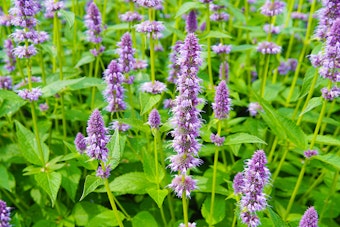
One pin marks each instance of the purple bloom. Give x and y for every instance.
(272, 8)
(6, 82)
(218, 17)
(269, 28)
(129, 80)
(43, 107)
(120, 126)
(203, 26)
(327, 15)
(126, 52)
(25, 52)
(168, 103)
(183, 183)
(80, 142)
(151, 27)
(268, 48)
(238, 183)
(159, 47)
(5, 213)
(10, 60)
(206, 1)
(191, 25)
(224, 71)
(149, 3)
(283, 68)
(33, 36)
(316, 60)
(217, 140)
(103, 172)
(155, 87)
(189, 224)
(30, 95)
(23, 13)
(114, 92)
(292, 63)
(154, 119)
(52, 6)
(299, 16)
(221, 49)
(93, 22)
(310, 153)
(140, 64)
(174, 68)
(214, 7)
(6, 20)
(130, 17)
(309, 218)
(254, 108)
(330, 94)
(183, 162)
(24, 82)
(97, 138)
(222, 103)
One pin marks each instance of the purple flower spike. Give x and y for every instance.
(254, 108)
(52, 6)
(238, 183)
(174, 68)
(23, 13)
(156, 87)
(103, 172)
(283, 68)
(120, 126)
(217, 140)
(30, 95)
(272, 8)
(183, 162)
(330, 94)
(310, 153)
(149, 3)
(224, 71)
(43, 107)
(140, 64)
(268, 48)
(6, 82)
(222, 103)
(154, 119)
(80, 143)
(221, 49)
(130, 17)
(126, 52)
(5, 213)
(10, 60)
(151, 28)
(114, 92)
(97, 138)
(25, 52)
(269, 28)
(183, 183)
(310, 218)
(93, 22)
(191, 25)
(219, 17)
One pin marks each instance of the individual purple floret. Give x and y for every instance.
(254, 108)
(155, 87)
(222, 103)
(6, 82)
(126, 53)
(268, 48)
(10, 60)
(299, 16)
(149, 3)
(238, 183)
(96, 137)
(5, 214)
(43, 107)
(189, 224)
(183, 162)
(140, 64)
(224, 71)
(330, 94)
(30, 95)
(174, 68)
(151, 27)
(310, 153)
(269, 28)
(217, 140)
(120, 126)
(183, 183)
(114, 92)
(103, 173)
(96, 51)
(221, 49)
(52, 6)
(80, 143)
(272, 8)
(25, 52)
(309, 218)
(6, 20)
(191, 25)
(130, 17)
(93, 22)
(154, 119)
(219, 16)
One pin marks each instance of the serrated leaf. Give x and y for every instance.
(158, 195)
(50, 182)
(219, 210)
(87, 82)
(148, 101)
(10, 102)
(307, 81)
(187, 6)
(329, 159)
(86, 59)
(275, 218)
(144, 219)
(68, 16)
(70, 180)
(29, 146)
(240, 138)
(150, 170)
(116, 147)
(57, 86)
(91, 184)
(326, 140)
(314, 102)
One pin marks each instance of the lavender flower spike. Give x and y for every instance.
(4, 214)
(154, 119)
(174, 68)
(126, 52)
(272, 8)
(268, 48)
(79, 141)
(310, 218)
(191, 25)
(93, 22)
(97, 138)
(10, 60)
(183, 183)
(222, 103)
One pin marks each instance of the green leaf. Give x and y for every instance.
(314, 102)
(329, 159)
(87, 82)
(240, 138)
(204, 184)
(50, 183)
(70, 181)
(10, 102)
(116, 147)
(148, 101)
(144, 219)
(326, 140)
(86, 59)
(91, 184)
(219, 210)
(68, 16)
(129, 183)
(307, 81)
(188, 6)
(4, 179)
(217, 35)
(241, 48)
(29, 147)
(275, 218)
(106, 218)
(158, 195)
(150, 170)
(57, 86)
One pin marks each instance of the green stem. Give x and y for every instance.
(265, 73)
(318, 124)
(331, 192)
(211, 80)
(272, 150)
(152, 59)
(174, 37)
(42, 66)
(185, 206)
(276, 173)
(112, 202)
(36, 133)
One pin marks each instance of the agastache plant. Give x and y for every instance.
(5, 213)
(309, 218)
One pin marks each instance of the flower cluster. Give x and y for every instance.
(254, 108)
(154, 119)
(5, 213)
(272, 8)
(174, 68)
(310, 153)
(217, 140)
(309, 218)
(186, 118)
(126, 53)
(330, 94)
(299, 16)
(269, 28)
(149, 3)
(52, 7)
(268, 48)
(30, 95)
(222, 103)
(10, 60)
(219, 16)
(23, 13)
(221, 49)
(286, 66)
(130, 17)
(153, 29)
(255, 177)
(191, 25)
(6, 82)
(155, 87)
